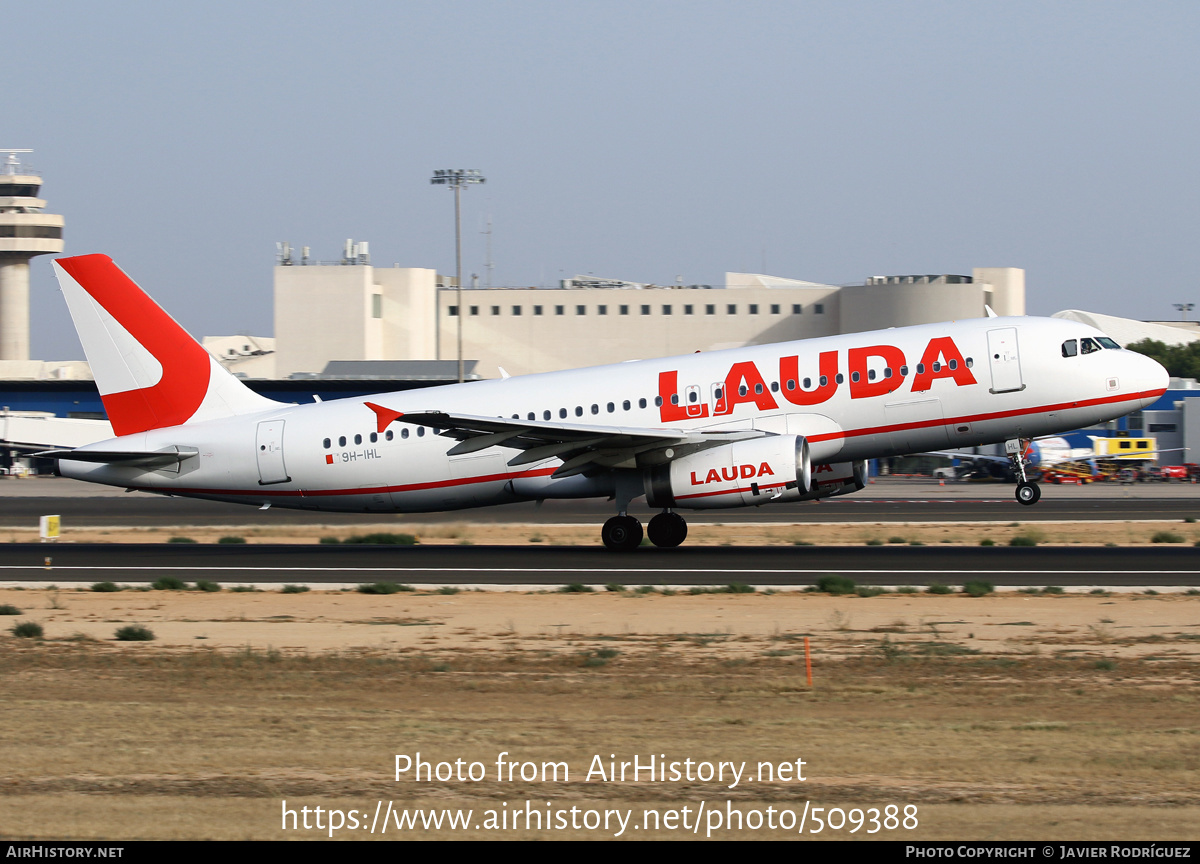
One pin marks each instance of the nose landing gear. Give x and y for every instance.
(1027, 492)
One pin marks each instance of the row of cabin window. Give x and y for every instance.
(667, 309)
(388, 435)
(743, 390)
(693, 396)
(1087, 345)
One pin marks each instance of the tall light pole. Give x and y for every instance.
(1184, 308)
(456, 179)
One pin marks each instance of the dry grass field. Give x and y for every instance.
(1006, 716)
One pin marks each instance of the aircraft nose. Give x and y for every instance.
(1149, 377)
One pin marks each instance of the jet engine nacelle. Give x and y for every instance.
(776, 468)
(837, 478)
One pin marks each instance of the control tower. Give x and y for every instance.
(25, 231)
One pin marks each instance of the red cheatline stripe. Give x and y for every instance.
(371, 490)
(762, 488)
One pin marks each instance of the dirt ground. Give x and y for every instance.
(1009, 716)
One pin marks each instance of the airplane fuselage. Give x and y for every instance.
(852, 397)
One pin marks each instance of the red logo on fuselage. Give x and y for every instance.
(875, 370)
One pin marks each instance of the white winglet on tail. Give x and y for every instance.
(149, 371)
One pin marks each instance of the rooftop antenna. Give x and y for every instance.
(12, 164)
(489, 265)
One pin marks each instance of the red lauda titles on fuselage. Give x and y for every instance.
(733, 472)
(745, 384)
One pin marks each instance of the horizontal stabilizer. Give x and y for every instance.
(135, 458)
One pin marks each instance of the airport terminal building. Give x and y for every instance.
(356, 312)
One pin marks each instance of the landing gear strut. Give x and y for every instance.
(622, 533)
(667, 529)
(1027, 491)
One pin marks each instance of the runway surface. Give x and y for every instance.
(500, 565)
(81, 504)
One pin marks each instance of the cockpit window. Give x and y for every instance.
(1088, 346)
(1106, 342)
(1070, 348)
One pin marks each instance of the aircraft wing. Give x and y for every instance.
(582, 447)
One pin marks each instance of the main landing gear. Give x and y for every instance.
(1027, 491)
(623, 533)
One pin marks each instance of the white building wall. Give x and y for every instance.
(321, 314)
(503, 327)
(356, 312)
(1007, 288)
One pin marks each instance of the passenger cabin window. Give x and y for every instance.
(388, 435)
(1088, 346)
(1070, 348)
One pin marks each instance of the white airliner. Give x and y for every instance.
(772, 423)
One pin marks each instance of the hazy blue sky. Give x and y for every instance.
(639, 140)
